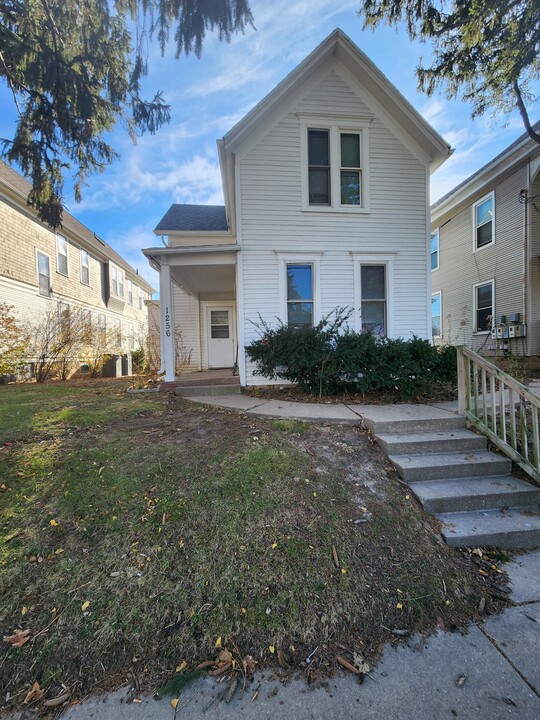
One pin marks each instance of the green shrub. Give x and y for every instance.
(330, 358)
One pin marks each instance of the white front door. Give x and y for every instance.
(219, 321)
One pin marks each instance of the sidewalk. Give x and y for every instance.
(489, 674)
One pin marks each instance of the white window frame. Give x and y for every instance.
(335, 126)
(374, 259)
(129, 287)
(118, 280)
(489, 196)
(435, 233)
(439, 293)
(40, 252)
(475, 309)
(121, 283)
(140, 296)
(295, 258)
(83, 266)
(59, 238)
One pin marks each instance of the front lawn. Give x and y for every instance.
(135, 531)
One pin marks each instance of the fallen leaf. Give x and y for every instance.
(53, 522)
(35, 693)
(274, 546)
(18, 638)
(174, 702)
(85, 605)
(182, 666)
(137, 700)
(343, 571)
(224, 657)
(218, 642)
(272, 649)
(460, 680)
(24, 610)
(244, 611)
(54, 702)
(399, 606)
(249, 665)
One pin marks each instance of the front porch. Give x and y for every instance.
(221, 378)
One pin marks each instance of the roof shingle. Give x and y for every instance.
(189, 218)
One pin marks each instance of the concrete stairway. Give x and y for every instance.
(449, 469)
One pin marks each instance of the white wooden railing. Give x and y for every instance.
(501, 408)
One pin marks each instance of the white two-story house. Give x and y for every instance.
(326, 188)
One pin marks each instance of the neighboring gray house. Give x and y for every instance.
(326, 187)
(485, 256)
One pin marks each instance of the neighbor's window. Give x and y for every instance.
(436, 316)
(62, 247)
(114, 280)
(131, 337)
(121, 283)
(85, 267)
(319, 167)
(350, 172)
(44, 274)
(484, 299)
(64, 319)
(140, 296)
(373, 294)
(103, 329)
(483, 222)
(300, 296)
(118, 333)
(130, 292)
(435, 250)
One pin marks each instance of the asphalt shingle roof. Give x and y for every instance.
(186, 218)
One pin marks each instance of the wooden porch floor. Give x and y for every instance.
(206, 378)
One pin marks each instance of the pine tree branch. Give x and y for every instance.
(524, 114)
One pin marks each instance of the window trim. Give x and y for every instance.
(299, 258)
(475, 309)
(490, 195)
(437, 337)
(336, 125)
(59, 236)
(387, 259)
(435, 232)
(129, 291)
(40, 252)
(82, 250)
(120, 280)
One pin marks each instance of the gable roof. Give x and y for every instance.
(477, 183)
(392, 102)
(192, 218)
(20, 187)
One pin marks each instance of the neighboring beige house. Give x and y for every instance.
(326, 188)
(485, 256)
(41, 269)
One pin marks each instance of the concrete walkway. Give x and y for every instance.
(491, 673)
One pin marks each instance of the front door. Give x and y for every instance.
(219, 321)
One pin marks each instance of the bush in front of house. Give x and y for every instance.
(329, 359)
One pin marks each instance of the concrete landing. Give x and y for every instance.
(513, 528)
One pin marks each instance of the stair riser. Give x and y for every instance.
(208, 390)
(523, 539)
(478, 502)
(453, 422)
(431, 447)
(449, 471)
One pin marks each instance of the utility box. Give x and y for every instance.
(520, 331)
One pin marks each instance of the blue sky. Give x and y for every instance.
(209, 95)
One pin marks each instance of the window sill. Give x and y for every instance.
(59, 272)
(481, 332)
(342, 210)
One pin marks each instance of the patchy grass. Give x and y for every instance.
(179, 524)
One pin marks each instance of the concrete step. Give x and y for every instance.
(474, 463)
(207, 390)
(408, 418)
(431, 443)
(517, 527)
(467, 494)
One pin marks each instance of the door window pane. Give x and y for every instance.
(44, 274)
(219, 324)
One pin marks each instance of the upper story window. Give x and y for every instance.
(62, 254)
(435, 249)
(140, 297)
(117, 281)
(44, 274)
(85, 267)
(484, 222)
(335, 163)
(130, 292)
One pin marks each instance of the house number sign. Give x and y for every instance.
(167, 322)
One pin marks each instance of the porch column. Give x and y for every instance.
(168, 359)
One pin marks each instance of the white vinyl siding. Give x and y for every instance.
(272, 221)
(186, 323)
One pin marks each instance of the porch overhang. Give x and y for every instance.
(205, 272)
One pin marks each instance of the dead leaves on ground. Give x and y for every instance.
(18, 638)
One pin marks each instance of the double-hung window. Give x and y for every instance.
(103, 329)
(373, 308)
(299, 295)
(484, 222)
(130, 292)
(131, 337)
(435, 250)
(62, 254)
(44, 274)
(335, 157)
(85, 267)
(114, 280)
(121, 283)
(140, 296)
(118, 333)
(436, 315)
(484, 306)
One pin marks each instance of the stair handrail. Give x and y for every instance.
(516, 437)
